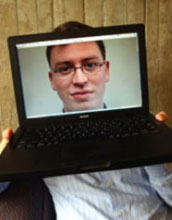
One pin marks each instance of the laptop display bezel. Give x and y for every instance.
(14, 40)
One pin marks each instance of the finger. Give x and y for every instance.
(161, 116)
(3, 144)
(5, 139)
(7, 134)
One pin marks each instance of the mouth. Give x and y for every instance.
(81, 95)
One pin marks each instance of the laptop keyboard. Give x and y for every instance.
(109, 129)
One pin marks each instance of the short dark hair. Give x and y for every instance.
(74, 25)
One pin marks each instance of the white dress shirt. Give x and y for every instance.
(129, 194)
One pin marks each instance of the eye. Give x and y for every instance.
(64, 69)
(90, 65)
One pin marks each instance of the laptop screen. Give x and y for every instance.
(122, 89)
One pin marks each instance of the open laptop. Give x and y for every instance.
(50, 141)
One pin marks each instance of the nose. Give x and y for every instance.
(79, 78)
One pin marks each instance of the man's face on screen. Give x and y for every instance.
(79, 74)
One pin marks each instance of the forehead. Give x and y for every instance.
(75, 51)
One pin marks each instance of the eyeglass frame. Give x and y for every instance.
(74, 68)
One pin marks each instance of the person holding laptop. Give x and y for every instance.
(135, 193)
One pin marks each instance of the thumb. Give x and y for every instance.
(7, 134)
(161, 116)
(5, 139)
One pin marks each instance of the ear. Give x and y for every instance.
(107, 72)
(51, 78)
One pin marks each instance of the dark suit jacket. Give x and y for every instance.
(27, 200)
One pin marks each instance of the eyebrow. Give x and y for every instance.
(83, 60)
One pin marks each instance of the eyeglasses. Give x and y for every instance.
(87, 68)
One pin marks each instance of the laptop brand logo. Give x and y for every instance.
(84, 116)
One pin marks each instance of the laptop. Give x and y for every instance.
(51, 141)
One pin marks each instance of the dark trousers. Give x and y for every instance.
(27, 200)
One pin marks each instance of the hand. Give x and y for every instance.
(161, 116)
(6, 135)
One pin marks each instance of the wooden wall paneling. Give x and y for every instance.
(74, 10)
(155, 48)
(135, 11)
(114, 12)
(64, 11)
(152, 38)
(164, 78)
(27, 16)
(44, 15)
(8, 26)
(58, 13)
(93, 11)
